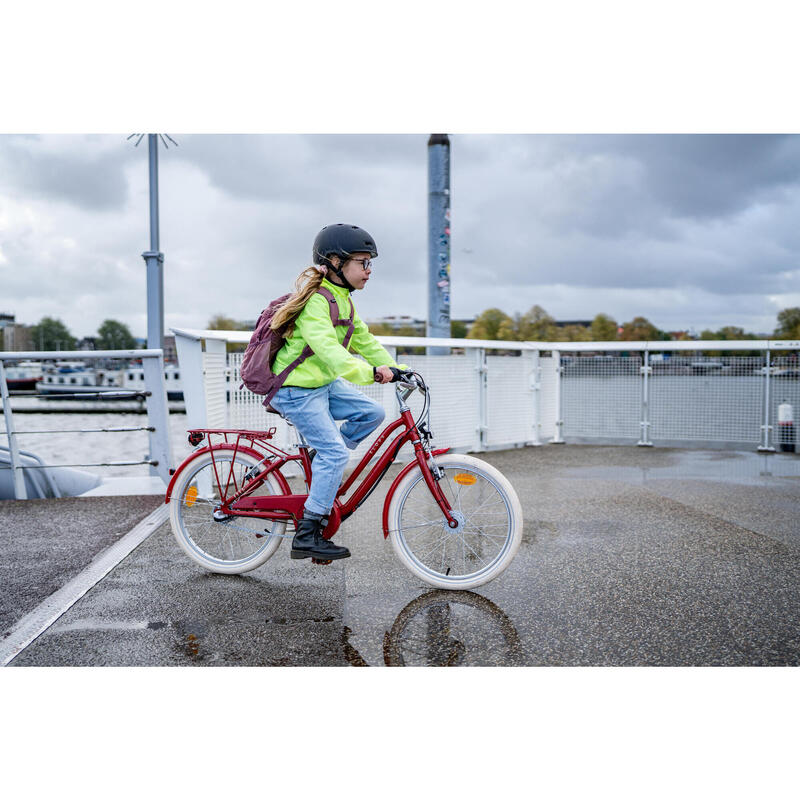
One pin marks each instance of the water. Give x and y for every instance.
(63, 447)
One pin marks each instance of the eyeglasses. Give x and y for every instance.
(366, 263)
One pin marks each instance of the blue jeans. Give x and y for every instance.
(312, 412)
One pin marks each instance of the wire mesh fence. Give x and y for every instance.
(601, 396)
(485, 399)
(707, 399)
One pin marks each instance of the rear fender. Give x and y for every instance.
(272, 468)
(390, 494)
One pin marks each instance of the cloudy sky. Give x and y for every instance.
(690, 231)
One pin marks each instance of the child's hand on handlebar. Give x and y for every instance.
(386, 374)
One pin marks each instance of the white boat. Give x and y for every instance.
(23, 375)
(75, 377)
(133, 378)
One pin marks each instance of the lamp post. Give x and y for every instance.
(153, 257)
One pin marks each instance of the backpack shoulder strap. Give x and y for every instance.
(334, 309)
(334, 306)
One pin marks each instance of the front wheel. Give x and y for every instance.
(224, 544)
(489, 528)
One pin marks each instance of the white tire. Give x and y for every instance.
(232, 546)
(489, 532)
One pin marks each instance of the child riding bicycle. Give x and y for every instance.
(314, 395)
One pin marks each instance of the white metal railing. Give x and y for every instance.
(644, 392)
(155, 395)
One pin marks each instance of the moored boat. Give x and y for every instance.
(75, 377)
(23, 375)
(132, 377)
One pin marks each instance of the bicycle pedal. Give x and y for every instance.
(321, 561)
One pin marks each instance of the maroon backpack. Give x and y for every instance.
(256, 370)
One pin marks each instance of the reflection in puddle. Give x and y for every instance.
(448, 629)
(437, 629)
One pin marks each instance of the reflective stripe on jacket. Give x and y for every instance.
(330, 360)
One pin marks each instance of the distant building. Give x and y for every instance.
(418, 326)
(87, 343)
(13, 336)
(6, 321)
(397, 323)
(170, 351)
(584, 323)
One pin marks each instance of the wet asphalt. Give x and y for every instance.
(631, 556)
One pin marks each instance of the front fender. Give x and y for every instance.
(249, 450)
(390, 494)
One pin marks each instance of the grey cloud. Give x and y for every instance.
(617, 211)
(705, 176)
(80, 174)
(297, 168)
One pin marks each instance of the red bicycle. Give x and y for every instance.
(453, 520)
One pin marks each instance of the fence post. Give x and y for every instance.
(766, 428)
(190, 358)
(645, 370)
(558, 438)
(158, 416)
(535, 377)
(20, 492)
(482, 373)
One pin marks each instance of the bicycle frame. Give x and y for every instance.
(288, 506)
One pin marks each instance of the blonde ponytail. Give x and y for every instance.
(308, 281)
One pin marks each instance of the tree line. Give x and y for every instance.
(52, 334)
(537, 325)
(493, 324)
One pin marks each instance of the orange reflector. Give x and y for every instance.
(190, 496)
(465, 479)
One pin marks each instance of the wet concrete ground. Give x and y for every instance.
(631, 556)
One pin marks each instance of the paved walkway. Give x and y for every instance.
(630, 556)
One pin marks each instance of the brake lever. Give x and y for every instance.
(413, 383)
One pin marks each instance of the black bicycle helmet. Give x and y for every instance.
(342, 240)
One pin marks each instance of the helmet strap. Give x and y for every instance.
(339, 272)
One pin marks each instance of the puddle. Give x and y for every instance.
(729, 467)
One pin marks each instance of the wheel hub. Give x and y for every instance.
(458, 516)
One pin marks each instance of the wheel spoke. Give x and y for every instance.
(418, 534)
(463, 539)
(494, 497)
(435, 545)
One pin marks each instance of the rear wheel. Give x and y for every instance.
(489, 529)
(220, 543)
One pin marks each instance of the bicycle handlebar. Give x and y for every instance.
(411, 380)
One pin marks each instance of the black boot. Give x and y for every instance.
(309, 543)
